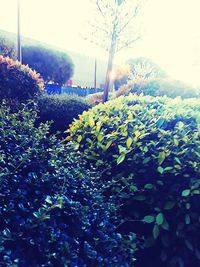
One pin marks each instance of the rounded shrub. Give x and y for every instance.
(51, 214)
(17, 81)
(147, 150)
(61, 110)
(158, 87)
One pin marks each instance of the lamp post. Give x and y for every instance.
(19, 49)
(95, 74)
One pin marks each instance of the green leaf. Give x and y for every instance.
(129, 142)
(160, 218)
(176, 142)
(79, 138)
(169, 205)
(160, 170)
(139, 198)
(165, 225)
(161, 157)
(121, 158)
(189, 245)
(187, 219)
(148, 186)
(168, 168)
(156, 231)
(185, 193)
(91, 122)
(122, 149)
(149, 219)
(177, 160)
(146, 160)
(108, 145)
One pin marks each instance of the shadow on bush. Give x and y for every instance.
(61, 110)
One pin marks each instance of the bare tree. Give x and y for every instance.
(114, 28)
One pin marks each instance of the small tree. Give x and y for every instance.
(7, 48)
(114, 29)
(144, 68)
(54, 66)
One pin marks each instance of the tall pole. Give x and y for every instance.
(95, 74)
(19, 49)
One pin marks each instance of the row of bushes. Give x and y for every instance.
(19, 83)
(147, 151)
(159, 87)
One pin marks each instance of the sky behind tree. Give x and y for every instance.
(170, 31)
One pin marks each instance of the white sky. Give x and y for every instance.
(171, 31)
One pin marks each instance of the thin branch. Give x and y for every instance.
(130, 19)
(128, 43)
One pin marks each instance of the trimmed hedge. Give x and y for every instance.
(147, 150)
(61, 110)
(17, 81)
(51, 214)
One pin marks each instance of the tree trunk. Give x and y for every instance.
(109, 69)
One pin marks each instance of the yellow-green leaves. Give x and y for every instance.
(121, 158)
(91, 121)
(129, 141)
(161, 157)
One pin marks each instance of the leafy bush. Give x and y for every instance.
(158, 87)
(17, 81)
(61, 109)
(148, 152)
(51, 214)
(54, 66)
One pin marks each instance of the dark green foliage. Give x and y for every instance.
(7, 48)
(17, 81)
(54, 66)
(159, 87)
(50, 212)
(61, 109)
(170, 88)
(148, 151)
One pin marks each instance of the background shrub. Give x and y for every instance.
(7, 48)
(61, 109)
(158, 87)
(51, 214)
(147, 150)
(54, 66)
(17, 81)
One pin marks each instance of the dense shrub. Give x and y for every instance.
(61, 109)
(17, 81)
(50, 212)
(53, 65)
(148, 152)
(158, 87)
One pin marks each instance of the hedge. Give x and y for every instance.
(51, 214)
(62, 110)
(147, 150)
(159, 87)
